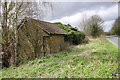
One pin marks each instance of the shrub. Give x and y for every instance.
(96, 31)
(74, 29)
(75, 37)
(72, 34)
(93, 26)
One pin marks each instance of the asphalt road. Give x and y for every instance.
(114, 40)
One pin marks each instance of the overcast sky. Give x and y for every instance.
(72, 12)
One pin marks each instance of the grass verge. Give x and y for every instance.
(98, 59)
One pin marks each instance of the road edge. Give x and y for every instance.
(112, 42)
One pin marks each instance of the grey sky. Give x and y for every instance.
(72, 12)
(62, 9)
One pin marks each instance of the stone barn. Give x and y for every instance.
(38, 38)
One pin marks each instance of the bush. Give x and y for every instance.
(75, 37)
(96, 31)
(93, 26)
(72, 34)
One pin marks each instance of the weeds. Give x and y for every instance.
(98, 59)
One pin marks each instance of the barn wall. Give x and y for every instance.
(55, 44)
(25, 48)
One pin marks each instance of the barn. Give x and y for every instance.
(38, 38)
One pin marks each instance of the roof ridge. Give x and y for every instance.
(48, 27)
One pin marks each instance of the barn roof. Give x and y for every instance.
(46, 26)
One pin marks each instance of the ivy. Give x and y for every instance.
(72, 34)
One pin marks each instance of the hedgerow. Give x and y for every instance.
(72, 34)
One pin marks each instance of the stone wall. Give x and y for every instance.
(25, 47)
(48, 44)
(55, 44)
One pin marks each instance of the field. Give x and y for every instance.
(97, 59)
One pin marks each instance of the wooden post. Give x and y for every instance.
(44, 45)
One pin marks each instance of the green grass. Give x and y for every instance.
(98, 59)
(116, 35)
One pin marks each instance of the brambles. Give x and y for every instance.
(72, 34)
(75, 37)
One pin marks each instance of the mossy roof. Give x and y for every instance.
(46, 26)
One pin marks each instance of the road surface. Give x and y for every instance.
(114, 40)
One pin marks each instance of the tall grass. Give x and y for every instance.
(98, 59)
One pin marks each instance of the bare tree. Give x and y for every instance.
(93, 26)
(83, 24)
(11, 15)
(96, 26)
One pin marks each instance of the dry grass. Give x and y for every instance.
(97, 59)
